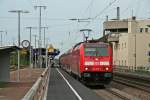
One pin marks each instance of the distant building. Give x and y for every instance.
(131, 41)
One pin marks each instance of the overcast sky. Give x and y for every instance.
(64, 33)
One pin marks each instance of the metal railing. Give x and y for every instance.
(38, 89)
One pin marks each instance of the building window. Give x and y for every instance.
(146, 30)
(122, 62)
(122, 45)
(125, 62)
(141, 29)
(118, 46)
(149, 45)
(125, 45)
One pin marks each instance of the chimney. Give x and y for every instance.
(118, 13)
(133, 17)
(107, 18)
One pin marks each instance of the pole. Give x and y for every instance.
(19, 29)
(135, 52)
(30, 57)
(40, 31)
(18, 67)
(35, 61)
(40, 42)
(46, 57)
(44, 38)
(35, 53)
(1, 40)
(30, 50)
(30, 29)
(46, 61)
(44, 35)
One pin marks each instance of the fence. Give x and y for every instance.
(38, 89)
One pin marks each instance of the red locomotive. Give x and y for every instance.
(90, 62)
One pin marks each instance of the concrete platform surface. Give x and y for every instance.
(64, 87)
(16, 90)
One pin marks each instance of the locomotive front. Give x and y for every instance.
(96, 63)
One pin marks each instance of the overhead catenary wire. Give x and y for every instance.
(35, 18)
(76, 37)
(89, 7)
(138, 7)
(30, 2)
(128, 8)
(103, 10)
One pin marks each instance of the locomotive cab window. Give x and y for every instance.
(96, 51)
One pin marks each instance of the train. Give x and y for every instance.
(89, 62)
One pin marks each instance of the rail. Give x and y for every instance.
(130, 69)
(136, 81)
(121, 94)
(38, 89)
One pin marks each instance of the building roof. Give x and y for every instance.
(9, 48)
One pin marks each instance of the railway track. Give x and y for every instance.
(132, 83)
(114, 94)
(135, 83)
(120, 94)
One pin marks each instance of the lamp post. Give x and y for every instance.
(2, 37)
(30, 29)
(40, 41)
(45, 46)
(46, 52)
(44, 35)
(19, 13)
(35, 53)
(46, 55)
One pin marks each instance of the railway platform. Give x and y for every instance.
(64, 87)
(15, 90)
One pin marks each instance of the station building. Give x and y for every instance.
(131, 42)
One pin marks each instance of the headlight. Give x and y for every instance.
(86, 68)
(107, 68)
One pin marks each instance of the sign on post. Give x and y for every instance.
(50, 48)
